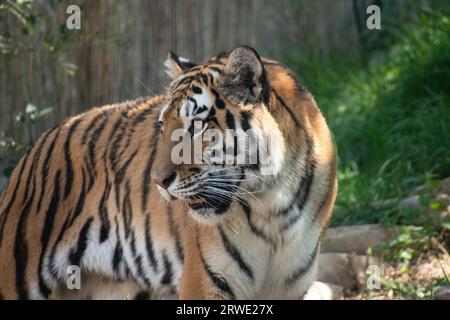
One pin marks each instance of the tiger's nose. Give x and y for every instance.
(165, 181)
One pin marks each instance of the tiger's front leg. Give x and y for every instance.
(205, 275)
(197, 282)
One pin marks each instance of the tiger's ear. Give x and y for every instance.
(244, 78)
(175, 65)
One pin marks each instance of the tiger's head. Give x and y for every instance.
(218, 142)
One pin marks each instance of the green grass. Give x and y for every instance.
(390, 118)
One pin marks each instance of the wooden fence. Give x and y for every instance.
(119, 51)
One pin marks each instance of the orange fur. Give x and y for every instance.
(89, 178)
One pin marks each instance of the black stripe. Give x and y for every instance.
(307, 185)
(118, 256)
(81, 198)
(127, 210)
(69, 166)
(92, 143)
(229, 118)
(211, 78)
(292, 220)
(301, 197)
(35, 161)
(235, 146)
(191, 128)
(77, 253)
(149, 245)
(138, 118)
(168, 272)
(218, 101)
(137, 259)
(68, 223)
(297, 274)
(291, 113)
(197, 90)
(103, 212)
(204, 78)
(140, 270)
(201, 109)
(247, 210)
(120, 175)
(91, 174)
(21, 249)
(175, 233)
(118, 252)
(235, 254)
(220, 282)
(331, 180)
(48, 227)
(142, 116)
(245, 121)
(211, 114)
(133, 243)
(116, 136)
(127, 272)
(146, 180)
(45, 169)
(184, 81)
(5, 212)
(304, 187)
(91, 126)
(127, 142)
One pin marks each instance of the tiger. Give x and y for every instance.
(100, 195)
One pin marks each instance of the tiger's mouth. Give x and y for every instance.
(196, 203)
(201, 202)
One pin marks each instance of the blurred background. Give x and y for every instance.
(385, 93)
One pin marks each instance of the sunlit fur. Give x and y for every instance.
(83, 194)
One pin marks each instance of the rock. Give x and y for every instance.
(355, 238)
(442, 293)
(345, 270)
(429, 215)
(442, 186)
(435, 210)
(413, 202)
(410, 203)
(324, 291)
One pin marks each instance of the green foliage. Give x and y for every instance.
(410, 290)
(31, 114)
(391, 120)
(10, 149)
(27, 26)
(405, 252)
(407, 246)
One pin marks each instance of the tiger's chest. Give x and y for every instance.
(259, 253)
(264, 259)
